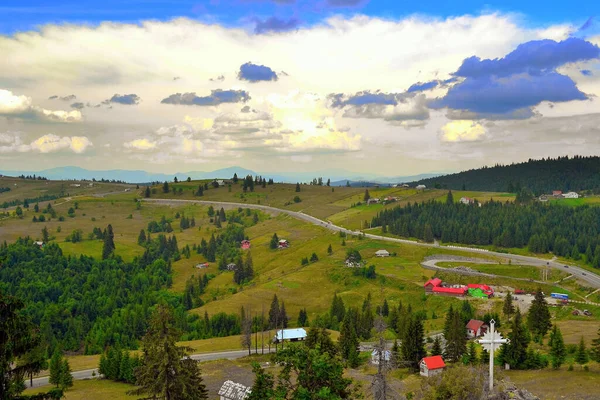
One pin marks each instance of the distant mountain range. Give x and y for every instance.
(338, 177)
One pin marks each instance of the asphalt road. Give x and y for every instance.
(90, 373)
(579, 273)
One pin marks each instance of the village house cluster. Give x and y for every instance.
(558, 194)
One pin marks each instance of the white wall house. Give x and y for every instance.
(291, 335)
(570, 195)
(421, 187)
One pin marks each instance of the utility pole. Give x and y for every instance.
(262, 329)
(256, 339)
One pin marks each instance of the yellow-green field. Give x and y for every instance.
(92, 389)
(28, 188)
(481, 197)
(514, 271)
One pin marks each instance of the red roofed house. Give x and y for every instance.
(430, 284)
(446, 291)
(283, 244)
(556, 192)
(432, 366)
(476, 328)
(245, 244)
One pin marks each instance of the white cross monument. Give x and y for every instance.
(492, 341)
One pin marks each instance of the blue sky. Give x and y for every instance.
(381, 87)
(22, 15)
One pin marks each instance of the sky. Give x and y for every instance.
(379, 87)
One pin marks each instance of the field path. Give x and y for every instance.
(580, 273)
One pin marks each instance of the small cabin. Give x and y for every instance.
(245, 244)
(283, 244)
(430, 284)
(431, 366)
(476, 328)
(231, 267)
(291, 335)
(202, 265)
(382, 253)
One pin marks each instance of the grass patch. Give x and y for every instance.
(92, 389)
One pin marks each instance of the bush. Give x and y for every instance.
(297, 199)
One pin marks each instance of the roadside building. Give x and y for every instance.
(245, 244)
(283, 244)
(382, 253)
(446, 291)
(431, 366)
(291, 335)
(571, 195)
(430, 284)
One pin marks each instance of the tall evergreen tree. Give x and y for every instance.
(263, 387)
(436, 349)
(538, 318)
(165, 187)
(581, 355)
(274, 321)
(297, 187)
(55, 367)
(449, 198)
(348, 341)
(166, 371)
(367, 196)
(454, 333)
(413, 345)
(147, 192)
(515, 352)
(66, 379)
(558, 351)
(508, 308)
(595, 348)
(108, 246)
(142, 237)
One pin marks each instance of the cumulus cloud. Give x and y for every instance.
(49, 143)
(219, 78)
(215, 98)
(339, 100)
(274, 24)
(524, 78)
(462, 131)
(409, 108)
(127, 99)
(140, 144)
(78, 106)
(256, 73)
(14, 106)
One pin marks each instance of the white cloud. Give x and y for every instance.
(12, 105)
(50, 143)
(140, 144)
(462, 131)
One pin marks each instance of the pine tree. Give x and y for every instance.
(454, 333)
(581, 356)
(55, 368)
(595, 348)
(263, 384)
(329, 250)
(165, 187)
(367, 196)
(147, 192)
(413, 346)
(508, 309)
(471, 354)
(166, 371)
(274, 321)
(302, 318)
(436, 349)
(484, 357)
(558, 351)
(538, 318)
(348, 340)
(45, 235)
(274, 242)
(142, 237)
(449, 198)
(515, 352)
(283, 318)
(297, 187)
(66, 379)
(108, 247)
(385, 309)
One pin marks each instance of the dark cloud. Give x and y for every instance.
(421, 86)
(533, 57)
(127, 99)
(216, 97)
(274, 24)
(339, 100)
(508, 88)
(77, 106)
(245, 109)
(256, 73)
(493, 95)
(176, 78)
(586, 72)
(219, 78)
(346, 3)
(70, 97)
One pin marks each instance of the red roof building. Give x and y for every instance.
(245, 244)
(430, 284)
(556, 192)
(450, 291)
(485, 288)
(430, 366)
(476, 328)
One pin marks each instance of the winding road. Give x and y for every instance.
(91, 373)
(591, 278)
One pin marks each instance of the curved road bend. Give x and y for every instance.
(90, 373)
(580, 273)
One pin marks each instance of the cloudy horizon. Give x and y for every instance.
(354, 90)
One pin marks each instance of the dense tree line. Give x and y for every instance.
(566, 231)
(541, 176)
(46, 197)
(85, 304)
